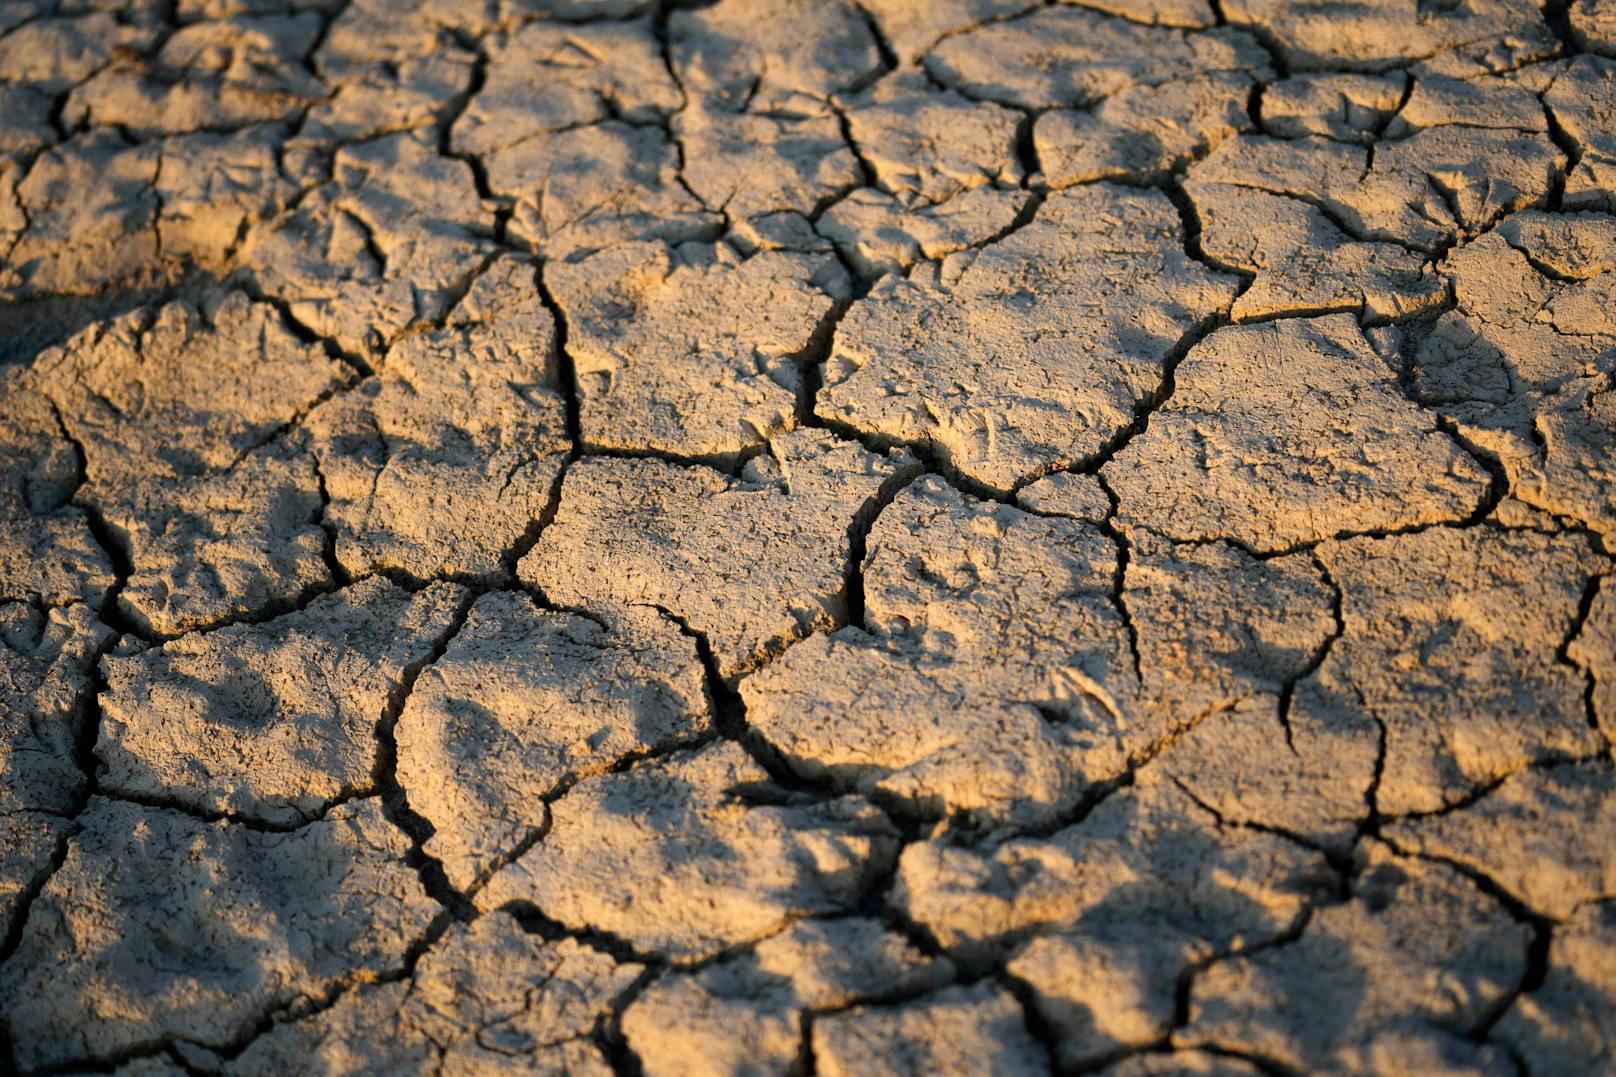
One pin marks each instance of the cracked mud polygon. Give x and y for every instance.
(808, 537)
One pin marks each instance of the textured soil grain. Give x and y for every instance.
(731, 537)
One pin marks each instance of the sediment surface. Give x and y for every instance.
(808, 536)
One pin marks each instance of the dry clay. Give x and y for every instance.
(807, 536)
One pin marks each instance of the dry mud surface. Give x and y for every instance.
(808, 536)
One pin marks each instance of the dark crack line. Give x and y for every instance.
(1101, 790)
(858, 540)
(567, 385)
(113, 544)
(1287, 692)
(25, 901)
(608, 1035)
(934, 458)
(1038, 1026)
(293, 422)
(1152, 402)
(1369, 826)
(1184, 996)
(1334, 217)
(1333, 858)
(1480, 517)
(248, 283)
(1562, 653)
(328, 529)
(1184, 987)
(270, 610)
(86, 715)
(1143, 410)
(159, 802)
(320, 37)
(302, 1009)
(384, 773)
(728, 708)
(534, 921)
(1026, 150)
(1557, 17)
(451, 114)
(566, 369)
(889, 57)
(1119, 581)
(1567, 145)
(1540, 928)
(564, 785)
(1031, 7)
(1487, 788)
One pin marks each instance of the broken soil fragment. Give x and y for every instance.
(485, 996)
(441, 464)
(525, 700)
(749, 1010)
(690, 540)
(46, 662)
(1300, 433)
(264, 919)
(277, 720)
(671, 857)
(1355, 989)
(691, 350)
(221, 521)
(844, 536)
(958, 1030)
(1032, 353)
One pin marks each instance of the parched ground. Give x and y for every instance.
(808, 536)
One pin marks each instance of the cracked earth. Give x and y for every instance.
(807, 536)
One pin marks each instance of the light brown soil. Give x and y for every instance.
(718, 537)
